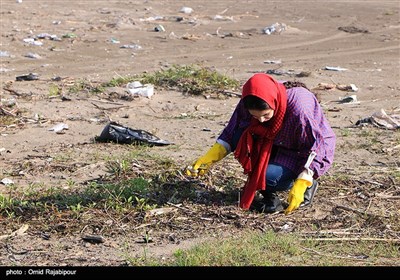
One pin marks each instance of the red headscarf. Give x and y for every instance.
(253, 154)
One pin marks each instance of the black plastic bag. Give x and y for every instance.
(114, 132)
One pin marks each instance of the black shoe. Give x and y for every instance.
(271, 203)
(309, 194)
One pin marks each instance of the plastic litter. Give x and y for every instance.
(335, 68)
(276, 28)
(32, 41)
(4, 54)
(33, 55)
(134, 46)
(186, 10)
(159, 28)
(7, 181)
(58, 128)
(349, 99)
(137, 89)
(273, 61)
(382, 120)
(114, 132)
(29, 77)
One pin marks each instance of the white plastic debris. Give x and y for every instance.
(137, 89)
(33, 55)
(133, 46)
(276, 28)
(273, 61)
(382, 119)
(335, 68)
(6, 181)
(286, 227)
(353, 87)
(4, 54)
(186, 10)
(58, 128)
(159, 28)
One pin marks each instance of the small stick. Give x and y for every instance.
(354, 239)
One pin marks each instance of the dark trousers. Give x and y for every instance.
(278, 177)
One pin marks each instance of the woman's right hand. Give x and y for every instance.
(202, 165)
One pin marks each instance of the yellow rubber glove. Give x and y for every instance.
(296, 194)
(201, 166)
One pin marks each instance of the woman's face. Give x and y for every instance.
(262, 115)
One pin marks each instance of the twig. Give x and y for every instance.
(369, 205)
(180, 207)
(362, 214)
(328, 255)
(20, 231)
(371, 182)
(143, 225)
(154, 111)
(392, 180)
(329, 232)
(353, 239)
(12, 91)
(6, 112)
(387, 196)
(102, 101)
(230, 93)
(112, 108)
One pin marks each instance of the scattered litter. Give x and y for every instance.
(352, 29)
(8, 102)
(287, 227)
(134, 46)
(349, 99)
(276, 28)
(69, 35)
(4, 70)
(32, 41)
(45, 235)
(58, 128)
(7, 182)
(4, 54)
(382, 120)
(137, 89)
(28, 77)
(325, 86)
(94, 239)
(48, 36)
(114, 41)
(161, 211)
(33, 55)
(186, 10)
(351, 87)
(159, 28)
(288, 72)
(152, 18)
(114, 132)
(331, 68)
(273, 61)
(222, 18)
(21, 231)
